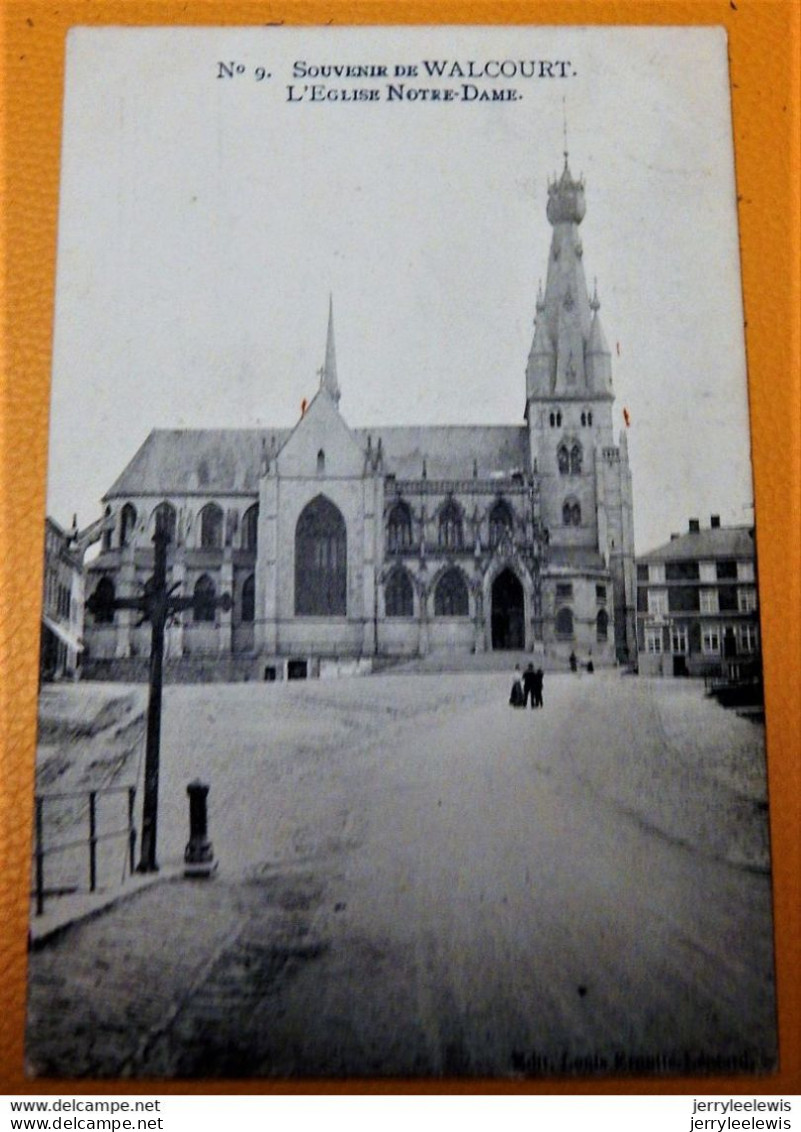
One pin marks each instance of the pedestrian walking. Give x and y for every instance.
(539, 677)
(529, 679)
(516, 698)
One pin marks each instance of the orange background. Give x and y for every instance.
(765, 68)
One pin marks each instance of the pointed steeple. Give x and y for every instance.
(599, 357)
(328, 374)
(541, 368)
(569, 357)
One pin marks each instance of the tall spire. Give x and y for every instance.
(328, 374)
(569, 357)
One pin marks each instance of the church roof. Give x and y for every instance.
(179, 461)
(218, 461)
(450, 451)
(715, 542)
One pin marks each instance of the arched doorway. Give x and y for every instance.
(508, 612)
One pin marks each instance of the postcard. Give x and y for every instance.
(401, 706)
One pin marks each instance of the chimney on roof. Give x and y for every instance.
(714, 522)
(695, 526)
(674, 535)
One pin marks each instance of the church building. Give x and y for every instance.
(342, 544)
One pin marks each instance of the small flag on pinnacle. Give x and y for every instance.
(627, 417)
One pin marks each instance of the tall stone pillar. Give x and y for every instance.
(225, 630)
(175, 631)
(127, 588)
(423, 636)
(265, 636)
(372, 557)
(479, 636)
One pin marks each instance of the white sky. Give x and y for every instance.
(204, 222)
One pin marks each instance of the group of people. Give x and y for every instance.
(527, 687)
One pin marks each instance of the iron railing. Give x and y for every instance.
(79, 808)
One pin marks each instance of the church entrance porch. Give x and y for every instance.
(508, 612)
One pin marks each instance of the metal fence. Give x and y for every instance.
(70, 828)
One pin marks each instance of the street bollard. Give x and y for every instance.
(199, 854)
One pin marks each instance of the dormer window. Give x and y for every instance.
(500, 522)
(211, 527)
(399, 527)
(450, 527)
(127, 524)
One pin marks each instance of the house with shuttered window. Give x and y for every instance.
(697, 603)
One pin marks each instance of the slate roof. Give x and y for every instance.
(714, 542)
(449, 450)
(177, 461)
(218, 461)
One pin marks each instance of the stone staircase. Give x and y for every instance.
(497, 661)
(235, 669)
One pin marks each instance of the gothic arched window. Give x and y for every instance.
(601, 625)
(211, 527)
(564, 623)
(583, 419)
(552, 420)
(164, 519)
(398, 595)
(250, 528)
(571, 513)
(249, 599)
(203, 607)
(320, 462)
(575, 459)
(127, 523)
(589, 418)
(559, 420)
(450, 596)
(563, 459)
(451, 534)
(105, 542)
(104, 596)
(321, 564)
(500, 521)
(399, 527)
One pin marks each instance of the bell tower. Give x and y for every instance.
(568, 377)
(583, 476)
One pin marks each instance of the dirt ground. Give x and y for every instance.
(415, 879)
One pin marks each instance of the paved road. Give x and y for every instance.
(416, 879)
